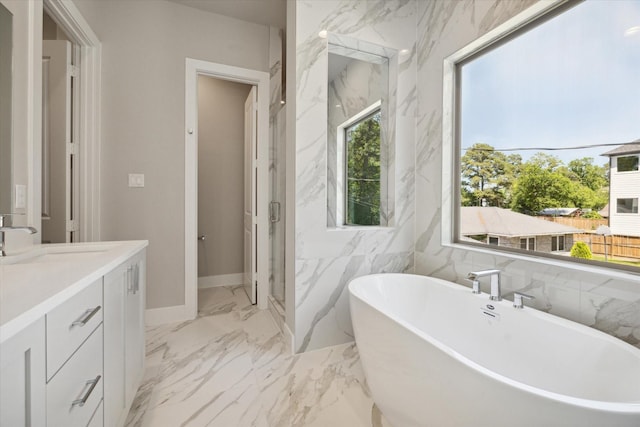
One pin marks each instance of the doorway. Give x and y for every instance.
(85, 178)
(226, 168)
(258, 256)
(60, 174)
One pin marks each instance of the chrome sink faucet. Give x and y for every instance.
(4, 228)
(494, 275)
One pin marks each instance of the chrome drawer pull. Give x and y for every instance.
(93, 383)
(86, 316)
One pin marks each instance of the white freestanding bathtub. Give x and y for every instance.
(435, 354)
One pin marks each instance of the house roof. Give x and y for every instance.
(604, 211)
(630, 148)
(504, 222)
(558, 211)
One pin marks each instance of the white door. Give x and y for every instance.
(58, 150)
(250, 174)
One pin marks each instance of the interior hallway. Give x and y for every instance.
(230, 368)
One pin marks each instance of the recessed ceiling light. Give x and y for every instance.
(631, 31)
(323, 34)
(404, 51)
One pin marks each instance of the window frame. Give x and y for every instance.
(343, 161)
(633, 205)
(534, 15)
(636, 156)
(555, 241)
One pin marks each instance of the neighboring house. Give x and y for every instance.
(561, 212)
(503, 227)
(624, 189)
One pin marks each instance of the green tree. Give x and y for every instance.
(541, 185)
(545, 182)
(581, 250)
(363, 172)
(487, 174)
(590, 175)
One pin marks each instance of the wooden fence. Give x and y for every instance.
(581, 223)
(618, 246)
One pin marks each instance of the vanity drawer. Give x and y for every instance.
(76, 390)
(70, 323)
(98, 417)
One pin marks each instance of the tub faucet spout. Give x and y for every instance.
(494, 275)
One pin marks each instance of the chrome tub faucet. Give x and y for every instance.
(495, 294)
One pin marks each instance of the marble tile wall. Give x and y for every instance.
(327, 259)
(609, 304)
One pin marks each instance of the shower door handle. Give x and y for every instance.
(274, 211)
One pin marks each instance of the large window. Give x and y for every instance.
(363, 171)
(627, 163)
(537, 111)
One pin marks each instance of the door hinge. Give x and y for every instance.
(72, 225)
(73, 70)
(72, 148)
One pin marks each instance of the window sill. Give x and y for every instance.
(613, 273)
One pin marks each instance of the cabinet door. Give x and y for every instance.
(115, 284)
(134, 328)
(22, 378)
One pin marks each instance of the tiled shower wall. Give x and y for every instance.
(609, 304)
(326, 259)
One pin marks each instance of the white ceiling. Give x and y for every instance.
(265, 12)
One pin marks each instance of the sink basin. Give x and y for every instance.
(60, 257)
(59, 254)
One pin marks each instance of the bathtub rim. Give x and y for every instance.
(624, 408)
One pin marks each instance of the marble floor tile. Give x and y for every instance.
(230, 367)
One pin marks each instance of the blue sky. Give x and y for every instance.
(572, 81)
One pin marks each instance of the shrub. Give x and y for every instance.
(591, 215)
(581, 250)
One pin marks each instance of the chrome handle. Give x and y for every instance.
(475, 285)
(518, 298)
(202, 237)
(136, 279)
(86, 316)
(83, 400)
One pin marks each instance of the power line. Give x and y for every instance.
(577, 147)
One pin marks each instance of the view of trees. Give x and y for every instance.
(541, 182)
(363, 172)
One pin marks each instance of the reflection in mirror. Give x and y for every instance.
(6, 41)
(359, 137)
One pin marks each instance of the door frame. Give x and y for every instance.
(260, 79)
(67, 16)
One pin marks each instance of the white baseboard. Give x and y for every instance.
(162, 315)
(220, 280)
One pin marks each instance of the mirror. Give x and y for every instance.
(359, 136)
(6, 62)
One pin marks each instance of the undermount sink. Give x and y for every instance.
(59, 254)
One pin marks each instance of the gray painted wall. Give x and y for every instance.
(144, 46)
(221, 175)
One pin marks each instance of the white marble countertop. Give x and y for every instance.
(33, 283)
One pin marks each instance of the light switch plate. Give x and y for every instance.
(21, 196)
(136, 180)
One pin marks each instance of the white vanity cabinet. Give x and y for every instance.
(123, 338)
(22, 377)
(76, 357)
